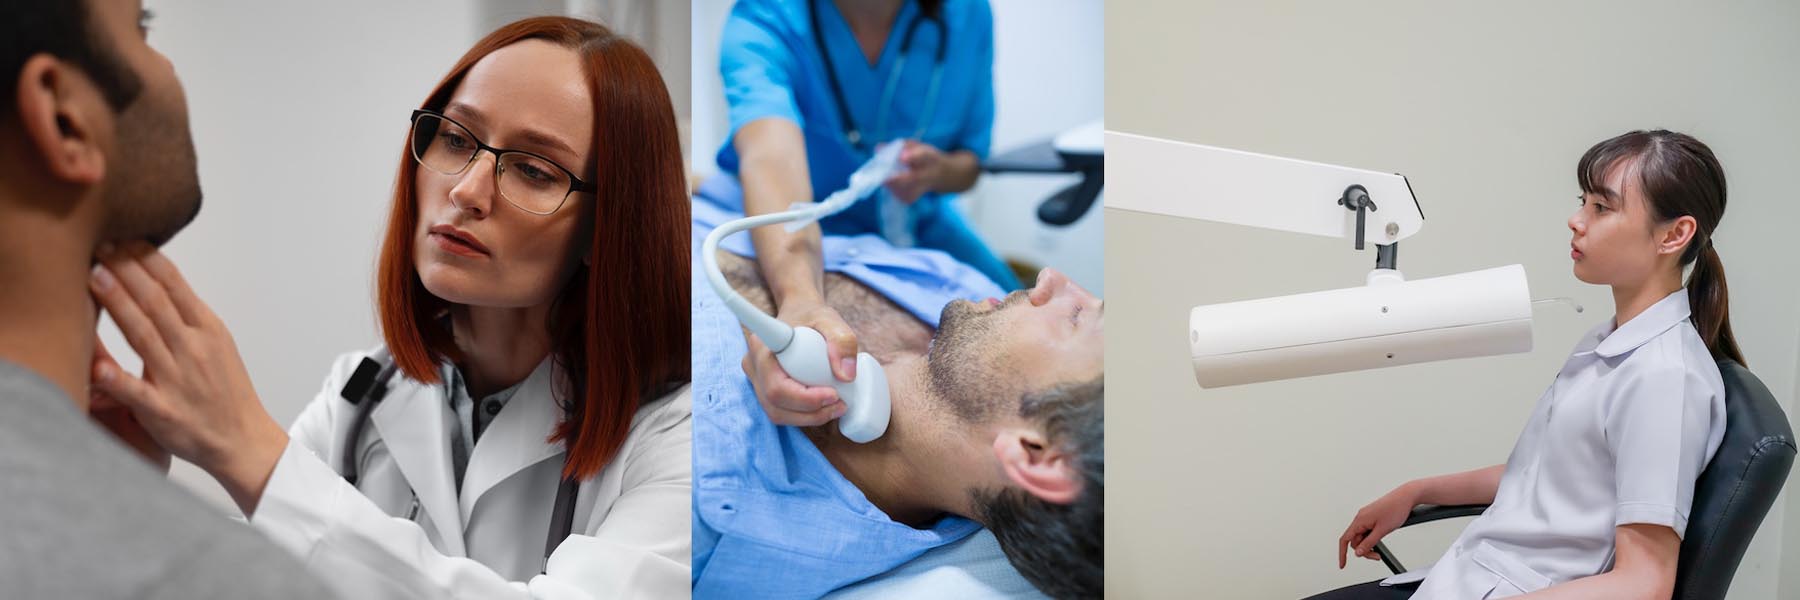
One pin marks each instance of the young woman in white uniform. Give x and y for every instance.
(1594, 500)
(524, 431)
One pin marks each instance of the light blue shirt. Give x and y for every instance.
(772, 67)
(772, 517)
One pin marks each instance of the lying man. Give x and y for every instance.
(997, 421)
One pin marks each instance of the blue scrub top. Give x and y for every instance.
(772, 67)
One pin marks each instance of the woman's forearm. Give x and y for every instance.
(1611, 584)
(244, 471)
(1468, 487)
(774, 174)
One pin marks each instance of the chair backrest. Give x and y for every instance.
(1737, 488)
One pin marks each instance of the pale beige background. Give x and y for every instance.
(1241, 492)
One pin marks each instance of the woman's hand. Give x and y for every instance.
(195, 397)
(117, 419)
(787, 401)
(924, 171)
(1376, 520)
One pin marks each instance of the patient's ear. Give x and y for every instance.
(1041, 469)
(61, 116)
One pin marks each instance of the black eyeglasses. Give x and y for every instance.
(538, 186)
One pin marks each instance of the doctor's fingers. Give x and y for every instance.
(789, 403)
(139, 331)
(841, 344)
(111, 380)
(812, 419)
(149, 293)
(193, 311)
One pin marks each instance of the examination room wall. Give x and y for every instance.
(299, 110)
(1047, 78)
(1242, 492)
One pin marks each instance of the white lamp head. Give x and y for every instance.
(1386, 323)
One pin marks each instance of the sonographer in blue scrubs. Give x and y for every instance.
(814, 85)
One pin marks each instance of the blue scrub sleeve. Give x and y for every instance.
(1657, 427)
(978, 128)
(757, 68)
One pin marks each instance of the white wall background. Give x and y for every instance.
(299, 110)
(1047, 78)
(1241, 492)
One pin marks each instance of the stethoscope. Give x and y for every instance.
(368, 385)
(854, 134)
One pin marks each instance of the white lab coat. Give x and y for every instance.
(1618, 439)
(487, 542)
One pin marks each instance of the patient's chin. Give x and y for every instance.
(963, 363)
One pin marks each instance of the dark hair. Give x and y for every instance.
(1057, 547)
(619, 327)
(60, 28)
(1680, 177)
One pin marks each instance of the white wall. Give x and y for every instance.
(1790, 557)
(299, 111)
(1047, 78)
(1242, 492)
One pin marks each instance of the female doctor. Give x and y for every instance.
(524, 431)
(812, 87)
(1593, 501)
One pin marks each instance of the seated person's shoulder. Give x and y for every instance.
(235, 562)
(88, 518)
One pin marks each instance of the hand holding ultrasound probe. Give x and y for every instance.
(801, 351)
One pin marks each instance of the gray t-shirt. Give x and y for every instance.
(82, 516)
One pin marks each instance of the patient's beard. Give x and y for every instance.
(963, 366)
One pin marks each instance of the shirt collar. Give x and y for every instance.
(456, 386)
(1666, 313)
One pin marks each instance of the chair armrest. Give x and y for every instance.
(1426, 513)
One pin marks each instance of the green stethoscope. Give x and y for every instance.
(852, 133)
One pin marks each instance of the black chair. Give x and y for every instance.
(1067, 205)
(1731, 498)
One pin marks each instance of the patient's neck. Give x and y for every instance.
(47, 315)
(926, 463)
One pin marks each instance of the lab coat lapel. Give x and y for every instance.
(515, 440)
(413, 421)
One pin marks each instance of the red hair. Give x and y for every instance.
(620, 326)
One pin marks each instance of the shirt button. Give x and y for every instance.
(493, 408)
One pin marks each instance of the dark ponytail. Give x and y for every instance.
(1680, 177)
(1706, 289)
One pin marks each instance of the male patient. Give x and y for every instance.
(94, 148)
(997, 421)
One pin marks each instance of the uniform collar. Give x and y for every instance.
(1666, 313)
(516, 439)
(415, 424)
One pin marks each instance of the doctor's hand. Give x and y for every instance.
(786, 400)
(1376, 520)
(117, 419)
(195, 397)
(925, 165)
